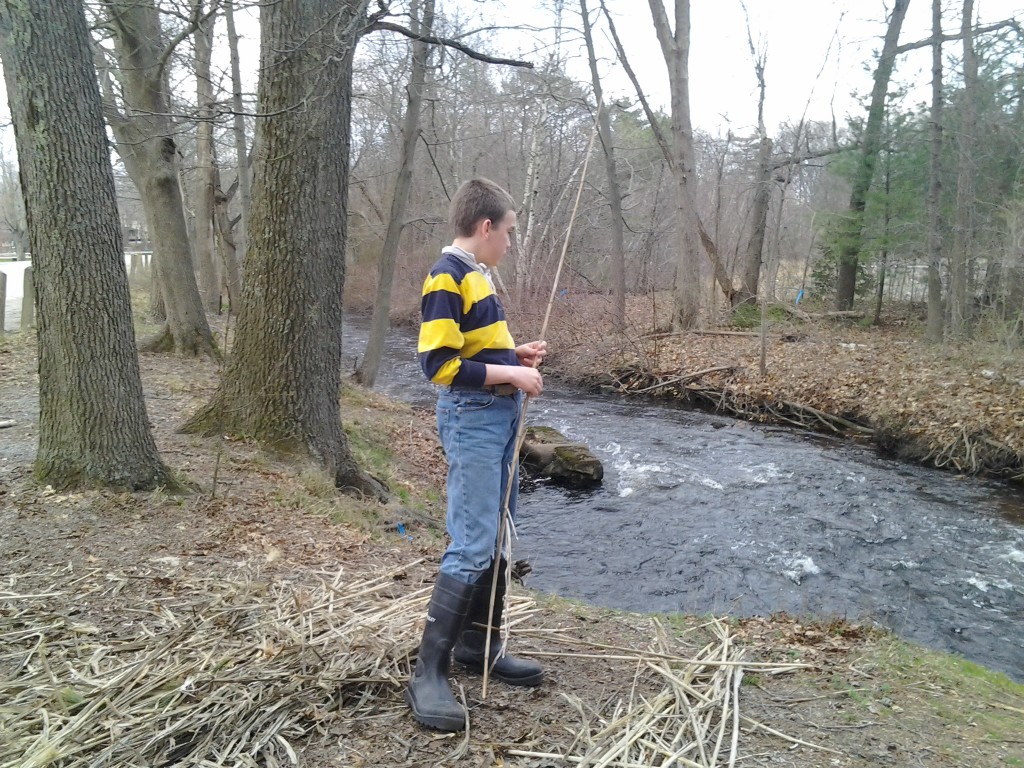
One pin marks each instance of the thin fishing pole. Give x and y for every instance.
(506, 529)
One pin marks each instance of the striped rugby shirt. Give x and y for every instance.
(463, 327)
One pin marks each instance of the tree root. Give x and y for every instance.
(164, 341)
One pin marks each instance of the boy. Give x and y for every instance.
(465, 347)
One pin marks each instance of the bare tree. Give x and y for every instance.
(422, 24)
(241, 141)
(614, 193)
(93, 428)
(209, 274)
(754, 255)
(675, 48)
(963, 229)
(145, 136)
(679, 156)
(935, 319)
(283, 381)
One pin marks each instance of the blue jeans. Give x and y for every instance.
(478, 432)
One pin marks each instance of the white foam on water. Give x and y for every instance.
(981, 584)
(798, 567)
(709, 483)
(762, 474)
(1013, 556)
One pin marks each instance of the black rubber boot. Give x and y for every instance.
(469, 651)
(428, 693)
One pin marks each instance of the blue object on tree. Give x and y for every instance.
(799, 296)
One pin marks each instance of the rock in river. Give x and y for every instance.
(550, 454)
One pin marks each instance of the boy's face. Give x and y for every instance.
(495, 237)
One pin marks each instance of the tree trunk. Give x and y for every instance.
(754, 260)
(525, 261)
(241, 142)
(282, 385)
(604, 124)
(209, 273)
(963, 228)
(935, 184)
(669, 151)
(379, 323)
(93, 428)
(145, 141)
(747, 294)
(849, 253)
(883, 261)
(675, 48)
(227, 243)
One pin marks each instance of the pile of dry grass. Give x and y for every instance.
(225, 671)
(242, 669)
(689, 717)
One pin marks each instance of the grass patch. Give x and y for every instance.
(972, 702)
(749, 315)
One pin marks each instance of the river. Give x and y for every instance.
(703, 513)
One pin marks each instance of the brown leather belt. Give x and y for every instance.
(502, 390)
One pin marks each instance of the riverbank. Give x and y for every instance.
(954, 406)
(93, 575)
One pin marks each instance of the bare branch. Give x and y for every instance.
(196, 20)
(446, 42)
(1012, 23)
(652, 119)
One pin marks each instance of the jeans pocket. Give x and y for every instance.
(473, 401)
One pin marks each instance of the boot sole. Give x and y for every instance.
(436, 722)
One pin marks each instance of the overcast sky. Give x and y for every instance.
(817, 50)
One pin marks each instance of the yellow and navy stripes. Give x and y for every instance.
(463, 326)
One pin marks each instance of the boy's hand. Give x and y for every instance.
(532, 353)
(527, 379)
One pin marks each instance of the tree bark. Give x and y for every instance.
(241, 141)
(209, 272)
(883, 260)
(963, 228)
(525, 257)
(282, 385)
(935, 318)
(849, 251)
(754, 256)
(747, 294)
(379, 323)
(675, 48)
(227, 242)
(145, 141)
(93, 428)
(604, 124)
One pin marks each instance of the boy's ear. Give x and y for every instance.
(485, 227)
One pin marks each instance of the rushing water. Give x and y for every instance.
(701, 513)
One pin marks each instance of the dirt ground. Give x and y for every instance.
(864, 697)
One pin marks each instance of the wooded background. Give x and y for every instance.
(336, 173)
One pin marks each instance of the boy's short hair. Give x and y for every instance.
(476, 200)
